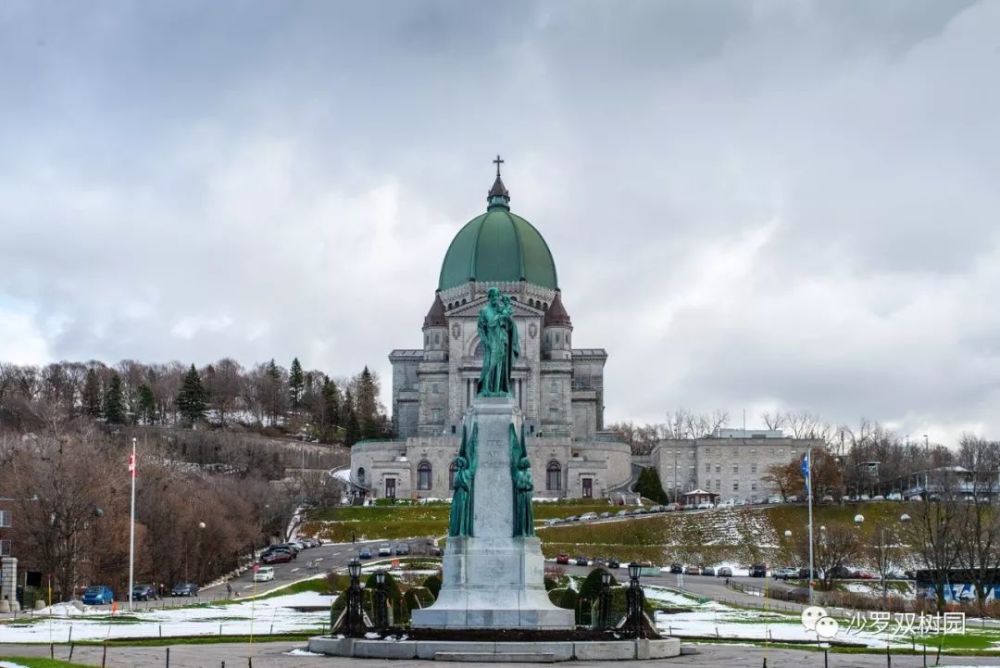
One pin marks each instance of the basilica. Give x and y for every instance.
(559, 388)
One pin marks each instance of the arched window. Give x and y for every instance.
(361, 475)
(424, 475)
(553, 476)
(451, 475)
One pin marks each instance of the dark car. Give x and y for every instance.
(613, 563)
(582, 561)
(841, 573)
(676, 568)
(402, 549)
(562, 559)
(435, 551)
(184, 589)
(707, 570)
(98, 595)
(143, 593)
(758, 571)
(724, 572)
(365, 553)
(276, 557)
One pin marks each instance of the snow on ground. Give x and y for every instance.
(8, 664)
(712, 619)
(277, 615)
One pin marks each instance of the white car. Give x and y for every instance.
(264, 574)
(588, 516)
(705, 505)
(385, 550)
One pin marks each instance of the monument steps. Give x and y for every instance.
(498, 657)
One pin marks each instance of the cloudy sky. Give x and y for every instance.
(752, 205)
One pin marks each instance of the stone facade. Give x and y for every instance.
(421, 467)
(733, 467)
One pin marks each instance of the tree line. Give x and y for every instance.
(267, 396)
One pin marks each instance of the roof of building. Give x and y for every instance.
(556, 315)
(498, 246)
(435, 316)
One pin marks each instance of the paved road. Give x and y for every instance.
(324, 558)
(275, 655)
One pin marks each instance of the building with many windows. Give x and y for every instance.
(732, 464)
(558, 388)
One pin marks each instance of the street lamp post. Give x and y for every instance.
(354, 600)
(605, 599)
(381, 618)
(634, 594)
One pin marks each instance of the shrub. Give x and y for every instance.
(433, 585)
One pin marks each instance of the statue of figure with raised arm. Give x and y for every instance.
(501, 347)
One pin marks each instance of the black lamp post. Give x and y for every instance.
(354, 621)
(381, 618)
(634, 600)
(605, 599)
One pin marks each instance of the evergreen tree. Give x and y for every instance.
(191, 398)
(296, 384)
(367, 409)
(114, 403)
(352, 430)
(649, 486)
(147, 405)
(92, 394)
(275, 397)
(330, 411)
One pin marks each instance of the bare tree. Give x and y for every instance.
(979, 552)
(938, 529)
(836, 546)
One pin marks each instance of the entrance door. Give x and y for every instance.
(390, 488)
(588, 488)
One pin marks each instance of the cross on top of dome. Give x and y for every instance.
(498, 195)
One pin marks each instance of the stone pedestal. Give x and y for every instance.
(8, 574)
(492, 579)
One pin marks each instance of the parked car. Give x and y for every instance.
(402, 548)
(827, 499)
(144, 593)
(804, 574)
(613, 563)
(705, 505)
(582, 561)
(294, 547)
(184, 589)
(657, 509)
(840, 573)
(605, 515)
(692, 570)
(758, 571)
(707, 570)
(364, 553)
(264, 574)
(276, 557)
(98, 595)
(621, 513)
(724, 572)
(562, 558)
(784, 573)
(572, 518)
(588, 516)
(385, 550)
(435, 551)
(676, 568)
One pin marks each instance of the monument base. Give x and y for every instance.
(492, 583)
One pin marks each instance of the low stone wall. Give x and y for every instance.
(498, 652)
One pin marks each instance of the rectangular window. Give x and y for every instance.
(753, 487)
(718, 468)
(736, 468)
(753, 468)
(4, 548)
(588, 488)
(708, 468)
(736, 486)
(4, 518)
(718, 484)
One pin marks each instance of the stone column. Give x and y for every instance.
(8, 588)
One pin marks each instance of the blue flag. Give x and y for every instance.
(805, 469)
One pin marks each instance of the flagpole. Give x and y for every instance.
(131, 532)
(809, 471)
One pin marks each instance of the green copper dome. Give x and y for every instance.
(498, 246)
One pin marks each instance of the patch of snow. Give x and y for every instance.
(302, 652)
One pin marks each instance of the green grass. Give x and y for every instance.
(343, 523)
(38, 662)
(978, 640)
